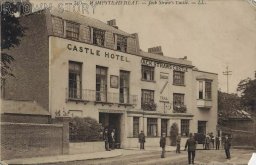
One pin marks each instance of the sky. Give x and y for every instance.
(213, 35)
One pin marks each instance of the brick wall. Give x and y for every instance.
(30, 68)
(85, 34)
(18, 118)
(20, 140)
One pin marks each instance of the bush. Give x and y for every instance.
(85, 130)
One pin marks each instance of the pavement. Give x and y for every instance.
(210, 157)
(84, 156)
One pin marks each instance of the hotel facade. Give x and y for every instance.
(74, 65)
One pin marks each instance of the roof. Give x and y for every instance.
(165, 58)
(82, 19)
(239, 115)
(22, 107)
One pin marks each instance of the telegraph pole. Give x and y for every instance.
(227, 73)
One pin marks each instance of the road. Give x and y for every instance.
(203, 157)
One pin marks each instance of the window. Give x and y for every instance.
(124, 87)
(184, 127)
(101, 84)
(122, 43)
(136, 121)
(202, 127)
(147, 96)
(178, 78)
(152, 126)
(205, 89)
(75, 78)
(208, 90)
(98, 37)
(164, 126)
(147, 73)
(178, 99)
(58, 27)
(201, 90)
(72, 30)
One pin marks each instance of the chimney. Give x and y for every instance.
(112, 23)
(156, 50)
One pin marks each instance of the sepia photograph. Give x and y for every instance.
(128, 82)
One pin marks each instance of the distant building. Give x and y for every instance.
(84, 67)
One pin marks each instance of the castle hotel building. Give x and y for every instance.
(74, 65)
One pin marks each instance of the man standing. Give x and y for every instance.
(227, 146)
(217, 142)
(113, 139)
(178, 144)
(106, 139)
(142, 140)
(191, 144)
(162, 144)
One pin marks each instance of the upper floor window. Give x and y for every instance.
(205, 89)
(178, 99)
(121, 43)
(58, 27)
(75, 77)
(147, 100)
(98, 37)
(101, 84)
(124, 86)
(72, 30)
(178, 78)
(147, 72)
(208, 90)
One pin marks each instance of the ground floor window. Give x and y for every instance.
(152, 127)
(164, 126)
(202, 127)
(136, 121)
(184, 127)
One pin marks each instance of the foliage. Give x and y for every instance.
(179, 109)
(247, 88)
(85, 130)
(227, 103)
(151, 106)
(11, 33)
(174, 133)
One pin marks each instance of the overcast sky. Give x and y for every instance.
(217, 34)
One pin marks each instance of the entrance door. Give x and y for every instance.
(111, 121)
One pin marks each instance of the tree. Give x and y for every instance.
(11, 33)
(174, 133)
(247, 88)
(227, 104)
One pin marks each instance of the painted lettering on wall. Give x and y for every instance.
(96, 52)
(163, 65)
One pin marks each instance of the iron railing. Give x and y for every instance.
(99, 96)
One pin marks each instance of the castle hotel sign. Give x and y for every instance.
(97, 52)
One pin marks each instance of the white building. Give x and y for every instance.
(72, 63)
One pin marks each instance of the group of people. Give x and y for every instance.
(190, 145)
(110, 139)
(210, 141)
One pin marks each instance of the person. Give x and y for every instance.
(207, 142)
(212, 140)
(113, 139)
(162, 144)
(191, 145)
(106, 139)
(178, 144)
(217, 142)
(227, 145)
(142, 140)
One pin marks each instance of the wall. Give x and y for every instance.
(22, 140)
(30, 68)
(17, 118)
